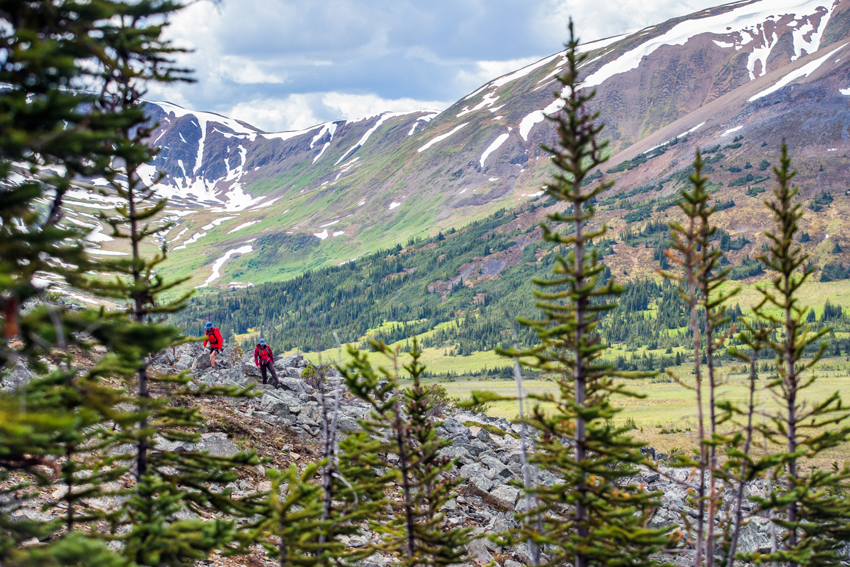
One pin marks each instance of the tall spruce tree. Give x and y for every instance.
(160, 522)
(401, 427)
(701, 286)
(809, 504)
(592, 517)
(53, 130)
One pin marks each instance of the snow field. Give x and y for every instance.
(798, 73)
(746, 18)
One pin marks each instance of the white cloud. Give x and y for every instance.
(295, 112)
(486, 71)
(606, 18)
(289, 64)
(300, 111)
(244, 71)
(352, 106)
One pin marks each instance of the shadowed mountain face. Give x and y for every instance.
(252, 206)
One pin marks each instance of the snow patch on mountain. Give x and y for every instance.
(267, 203)
(329, 128)
(243, 225)
(216, 267)
(441, 137)
(97, 235)
(216, 222)
(497, 143)
(798, 73)
(182, 232)
(195, 237)
(384, 117)
(327, 144)
(599, 43)
(204, 117)
(505, 79)
(488, 100)
(288, 135)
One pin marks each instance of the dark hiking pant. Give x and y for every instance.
(270, 367)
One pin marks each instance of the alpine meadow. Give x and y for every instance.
(596, 312)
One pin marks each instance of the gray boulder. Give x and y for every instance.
(201, 361)
(17, 377)
(479, 552)
(454, 428)
(474, 473)
(457, 452)
(30, 514)
(289, 361)
(507, 496)
(496, 470)
(217, 444)
(295, 385)
(228, 377)
(290, 372)
(346, 423)
(185, 362)
(275, 406)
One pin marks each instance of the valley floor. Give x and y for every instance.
(666, 417)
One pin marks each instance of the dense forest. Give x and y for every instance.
(390, 296)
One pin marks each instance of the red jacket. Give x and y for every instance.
(263, 354)
(214, 338)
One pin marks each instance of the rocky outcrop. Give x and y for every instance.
(486, 451)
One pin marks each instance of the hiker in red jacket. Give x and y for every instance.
(264, 359)
(216, 343)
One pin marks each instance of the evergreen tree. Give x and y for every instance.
(605, 524)
(401, 427)
(700, 285)
(168, 484)
(809, 505)
(56, 56)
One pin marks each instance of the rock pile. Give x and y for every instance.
(487, 450)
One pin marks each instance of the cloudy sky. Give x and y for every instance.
(288, 64)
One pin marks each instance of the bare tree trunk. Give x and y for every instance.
(712, 450)
(698, 556)
(138, 315)
(523, 436)
(405, 481)
(580, 382)
(739, 495)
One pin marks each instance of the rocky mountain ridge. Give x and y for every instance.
(756, 71)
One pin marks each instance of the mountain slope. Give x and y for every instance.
(252, 206)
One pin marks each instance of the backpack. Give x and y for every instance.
(214, 337)
(265, 354)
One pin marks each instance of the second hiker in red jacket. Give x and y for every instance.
(264, 359)
(215, 341)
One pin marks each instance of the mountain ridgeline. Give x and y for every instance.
(428, 224)
(734, 81)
